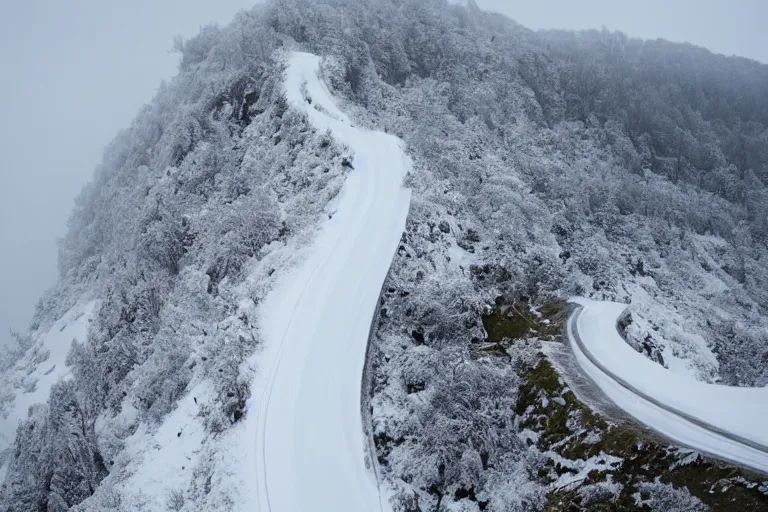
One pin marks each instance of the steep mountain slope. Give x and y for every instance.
(544, 165)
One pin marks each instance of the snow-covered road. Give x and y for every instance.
(723, 421)
(310, 451)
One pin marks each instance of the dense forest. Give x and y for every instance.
(546, 164)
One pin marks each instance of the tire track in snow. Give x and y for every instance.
(275, 367)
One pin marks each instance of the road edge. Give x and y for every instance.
(574, 338)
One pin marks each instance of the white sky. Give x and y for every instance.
(76, 71)
(731, 27)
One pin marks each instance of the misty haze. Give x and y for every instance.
(393, 255)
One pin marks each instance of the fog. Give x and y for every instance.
(76, 72)
(731, 28)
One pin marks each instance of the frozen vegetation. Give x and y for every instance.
(542, 165)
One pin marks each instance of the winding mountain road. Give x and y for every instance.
(310, 451)
(722, 421)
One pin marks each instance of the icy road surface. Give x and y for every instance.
(723, 421)
(310, 451)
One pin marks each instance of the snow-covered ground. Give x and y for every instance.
(727, 422)
(29, 381)
(310, 452)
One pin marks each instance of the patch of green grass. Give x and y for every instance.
(541, 379)
(568, 427)
(515, 320)
(502, 324)
(556, 313)
(718, 486)
(547, 406)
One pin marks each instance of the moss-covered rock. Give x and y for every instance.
(516, 319)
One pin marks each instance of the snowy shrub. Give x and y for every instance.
(175, 500)
(163, 380)
(57, 463)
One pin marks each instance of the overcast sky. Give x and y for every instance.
(76, 71)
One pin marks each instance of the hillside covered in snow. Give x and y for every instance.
(541, 165)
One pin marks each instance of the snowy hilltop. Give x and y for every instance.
(327, 269)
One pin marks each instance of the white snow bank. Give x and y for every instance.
(29, 381)
(159, 462)
(310, 451)
(707, 417)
